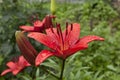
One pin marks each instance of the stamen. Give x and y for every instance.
(31, 19)
(52, 29)
(52, 25)
(66, 28)
(71, 27)
(66, 33)
(36, 16)
(59, 31)
(44, 28)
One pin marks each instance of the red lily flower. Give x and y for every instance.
(62, 44)
(16, 66)
(26, 48)
(39, 26)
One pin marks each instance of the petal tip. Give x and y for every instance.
(102, 39)
(30, 34)
(1, 74)
(37, 64)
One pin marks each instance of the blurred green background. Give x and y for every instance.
(101, 61)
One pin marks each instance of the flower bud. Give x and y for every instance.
(25, 47)
(53, 6)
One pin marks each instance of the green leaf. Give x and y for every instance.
(37, 72)
(111, 67)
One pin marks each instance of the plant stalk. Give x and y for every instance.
(62, 70)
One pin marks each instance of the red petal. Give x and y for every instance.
(5, 72)
(87, 39)
(43, 55)
(44, 39)
(74, 49)
(38, 23)
(11, 65)
(20, 64)
(23, 61)
(73, 35)
(17, 66)
(27, 28)
(53, 34)
(16, 71)
(82, 44)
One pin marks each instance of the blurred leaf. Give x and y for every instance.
(37, 72)
(111, 67)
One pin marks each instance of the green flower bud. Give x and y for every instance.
(53, 7)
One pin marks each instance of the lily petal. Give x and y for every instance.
(87, 39)
(5, 72)
(16, 71)
(43, 55)
(81, 45)
(38, 23)
(53, 34)
(23, 61)
(27, 28)
(74, 49)
(73, 35)
(44, 39)
(11, 65)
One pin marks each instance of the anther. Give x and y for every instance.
(66, 28)
(71, 27)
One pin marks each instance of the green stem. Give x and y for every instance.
(62, 70)
(50, 73)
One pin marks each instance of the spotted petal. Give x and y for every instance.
(81, 45)
(87, 39)
(73, 34)
(74, 49)
(43, 55)
(52, 32)
(44, 39)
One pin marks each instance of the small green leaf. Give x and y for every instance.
(37, 72)
(111, 67)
